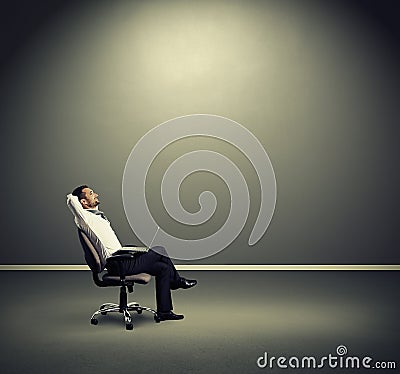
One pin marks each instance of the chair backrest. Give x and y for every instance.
(95, 262)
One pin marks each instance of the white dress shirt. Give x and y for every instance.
(97, 228)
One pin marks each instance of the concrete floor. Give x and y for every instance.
(231, 319)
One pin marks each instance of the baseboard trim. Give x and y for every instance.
(220, 267)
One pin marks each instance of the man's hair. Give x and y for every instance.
(78, 191)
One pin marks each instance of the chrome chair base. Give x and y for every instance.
(130, 307)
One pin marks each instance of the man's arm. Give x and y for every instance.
(99, 230)
(82, 220)
(77, 209)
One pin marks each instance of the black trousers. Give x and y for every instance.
(155, 262)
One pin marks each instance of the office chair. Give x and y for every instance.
(97, 266)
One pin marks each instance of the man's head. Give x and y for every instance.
(86, 196)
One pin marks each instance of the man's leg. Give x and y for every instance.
(164, 272)
(177, 281)
(163, 291)
(158, 264)
(159, 253)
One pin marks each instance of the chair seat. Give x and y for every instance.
(141, 278)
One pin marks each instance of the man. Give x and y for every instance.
(84, 203)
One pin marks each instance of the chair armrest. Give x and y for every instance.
(120, 258)
(123, 252)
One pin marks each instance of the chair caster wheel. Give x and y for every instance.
(94, 321)
(103, 313)
(139, 311)
(129, 326)
(157, 319)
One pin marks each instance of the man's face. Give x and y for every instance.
(91, 199)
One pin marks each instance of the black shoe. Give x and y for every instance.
(184, 283)
(169, 316)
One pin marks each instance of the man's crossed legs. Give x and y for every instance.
(156, 262)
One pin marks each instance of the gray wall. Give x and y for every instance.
(316, 83)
